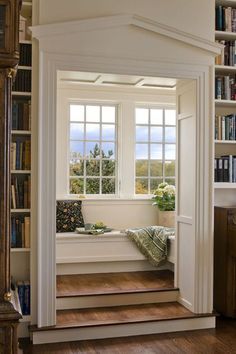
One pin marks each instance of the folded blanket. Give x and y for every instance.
(152, 242)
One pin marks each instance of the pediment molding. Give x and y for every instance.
(53, 30)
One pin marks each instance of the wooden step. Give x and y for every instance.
(120, 321)
(115, 289)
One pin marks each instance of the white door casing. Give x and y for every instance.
(199, 220)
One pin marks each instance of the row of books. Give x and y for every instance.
(228, 54)
(20, 192)
(225, 19)
(225, 169)
(21, 115)
(25, 54)
(20, 155)
(225, 127)
(23, 290)
(22, 82)
(225, 87)
(20, 231)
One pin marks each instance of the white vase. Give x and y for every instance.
(166, 218)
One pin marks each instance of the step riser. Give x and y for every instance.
(122, 330)
(80, 302)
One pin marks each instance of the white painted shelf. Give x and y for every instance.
(25, 319)
(25, 41)
(225, 35)
(224, 185)
(226, 3)
(225, 103)
(230, 142)
(19, 250)
(21, 132)
(24, 67)
(20, 210)
(23, 172)
(18, 93)
(225, 68)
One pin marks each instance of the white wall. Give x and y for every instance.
(119, 213)
(193, 16)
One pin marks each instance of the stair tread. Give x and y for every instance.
(120, 315)
(114, 283)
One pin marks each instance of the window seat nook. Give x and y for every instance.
(112, 251)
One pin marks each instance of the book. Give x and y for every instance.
(27, 231)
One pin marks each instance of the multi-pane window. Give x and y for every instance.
(93, 161)
(155, 148)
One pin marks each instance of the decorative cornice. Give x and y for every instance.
(94, 24)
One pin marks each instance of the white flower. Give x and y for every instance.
(169, 190)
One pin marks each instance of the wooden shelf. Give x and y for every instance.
(225, 103)
(19, 250)
(17, 93)
(224, 185)
(225, 35)
(20, 210)
(230, 142)
(225, 68)
(21, 132)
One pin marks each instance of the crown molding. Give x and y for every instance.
(94, 24)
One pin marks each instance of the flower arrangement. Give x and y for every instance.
(164, 197)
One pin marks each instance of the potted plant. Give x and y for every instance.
(164, 198)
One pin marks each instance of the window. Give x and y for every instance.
(155, 148)
(93, 161)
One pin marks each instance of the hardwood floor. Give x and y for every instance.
(111, 283)
(221, 340)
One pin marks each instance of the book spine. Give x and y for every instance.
(26, 298)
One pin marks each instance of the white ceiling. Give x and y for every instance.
(76, 77)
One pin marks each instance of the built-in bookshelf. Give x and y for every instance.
(225, 102)
(20, 165)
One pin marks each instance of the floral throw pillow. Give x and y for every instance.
(69, 215)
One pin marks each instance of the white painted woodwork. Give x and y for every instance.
(78, 302)
(124, 330)
(144, 48)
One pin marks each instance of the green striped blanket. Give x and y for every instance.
(152, 242)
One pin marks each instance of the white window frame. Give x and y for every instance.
(100, 177)
(163, 143)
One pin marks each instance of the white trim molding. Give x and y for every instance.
(52, 61)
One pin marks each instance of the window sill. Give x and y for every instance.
(145, 200)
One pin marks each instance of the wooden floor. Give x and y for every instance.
(111, 283)
(221, 340)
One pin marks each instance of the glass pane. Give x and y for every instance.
(170, 117)
(141, 115)
(142, 168)
(154, 184)
(170, 181)
(141, 133)
(92, 131)
(76, 131)
(77, 168)
(76, 186)
(142, 151)
(108, 114)
(92, 168)
(156, 168)
(76, 150)
(156, 134)
(92, 186)
(76, 113)
(108, 150)
(156, 151)
(170, 168)
(92, 114)
(108, 132)
(92, 150)
(169, 152)
(108, 168)
(170, 135)
(108, 186)
(156, 116)
(141, 186)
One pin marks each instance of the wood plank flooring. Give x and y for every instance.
(112, 283)
(221, 340)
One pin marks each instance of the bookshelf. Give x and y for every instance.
(21, 237)
(225, 103)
